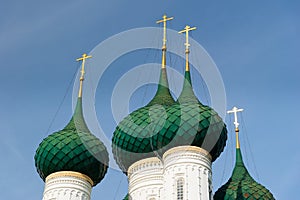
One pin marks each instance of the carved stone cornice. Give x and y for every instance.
(69, 174)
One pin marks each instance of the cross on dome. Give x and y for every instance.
(164, 21)
(83, 58)
(164, 47)
(235, 110)
(186, 30)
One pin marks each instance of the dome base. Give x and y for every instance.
(152, 178)
(67, 185)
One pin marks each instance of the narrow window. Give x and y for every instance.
(180, 189)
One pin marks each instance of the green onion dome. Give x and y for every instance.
(241, 185)
(189, 122)
(133, 137)
(73, 149)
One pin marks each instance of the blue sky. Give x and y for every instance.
(254, 44)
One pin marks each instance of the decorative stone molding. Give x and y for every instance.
(68, 174)
(187, 149)
(153, 178)
(193, 165)
(67, 185)
(144, 164)
(145, 179)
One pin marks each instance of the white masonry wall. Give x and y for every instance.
(67, 185)
(191, 165)
(153, 179)
(146, 179)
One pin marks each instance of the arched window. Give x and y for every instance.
(179, 185)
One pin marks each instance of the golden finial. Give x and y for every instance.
(186, 30)
(164, 47)
(235, 110)
(83, 58)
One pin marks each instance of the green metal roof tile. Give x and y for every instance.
(185, 122)
(242, 185)
(65, 150)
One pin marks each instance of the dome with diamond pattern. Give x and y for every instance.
(189, 122)
(73, 149)
(241, 186)
(133, 137)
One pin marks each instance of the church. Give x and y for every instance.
(166, 148)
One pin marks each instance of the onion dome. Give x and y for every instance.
(135, 136)
(74, 148)
(189, 122)
(241, 185)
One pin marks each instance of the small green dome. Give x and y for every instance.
(133, 137)
(73, 149)
(241, 186)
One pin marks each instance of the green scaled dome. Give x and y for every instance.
(73, 149)
(241, 186)
(133, 137)
(191, 123)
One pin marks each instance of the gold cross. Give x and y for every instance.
(187, 29)
(164, 20)
(83, 58)
(187, 51)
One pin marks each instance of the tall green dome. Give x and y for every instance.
(133, 138)
(241, 186)
(74, 148)
(189, 122)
